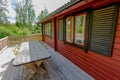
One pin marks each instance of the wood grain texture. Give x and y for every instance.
(57, 67)
(13, 73)
(99, 66)
(31, 52)
(49, 41)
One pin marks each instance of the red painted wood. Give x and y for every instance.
(118, 33)
(55, 34)
(116, 45)
(43, 32)
(118, 21)
(116, 52)
(76, 55)
(83, 5)
(49, 41)
(117, 40)
(99, 66)
(118, 27)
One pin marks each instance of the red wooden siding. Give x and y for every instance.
(49, 41)
(99, 66)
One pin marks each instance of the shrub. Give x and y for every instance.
(13, 31)
(24, 32)
(4, 32)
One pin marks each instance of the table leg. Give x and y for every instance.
(33, 69)
(30, 71)
(40, 69)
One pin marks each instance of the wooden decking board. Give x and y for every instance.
(13, 73)
(70, 69)
(57, 67)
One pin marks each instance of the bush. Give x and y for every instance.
(13, 31)
(4, 32)
(24, 32)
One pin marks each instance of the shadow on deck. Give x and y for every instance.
(58, 68)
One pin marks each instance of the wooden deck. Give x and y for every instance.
(58, 68)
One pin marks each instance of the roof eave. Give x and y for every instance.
(67, 5)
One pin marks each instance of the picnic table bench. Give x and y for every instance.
(31, 55)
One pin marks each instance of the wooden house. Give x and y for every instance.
(87, 32)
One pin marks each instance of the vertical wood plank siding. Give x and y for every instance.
(99, 66)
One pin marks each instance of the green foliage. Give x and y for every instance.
(25, 14)
(4, 32)
(80, 29)
(25, 31)
(43, 14)
(13, 31)
(36, 29)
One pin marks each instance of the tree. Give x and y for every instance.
(25, 14)
(3, 9)
(43, 14)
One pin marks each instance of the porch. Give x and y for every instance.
(57, 67)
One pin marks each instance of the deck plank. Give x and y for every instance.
(13, 73)
(57, 67)
(67, 68)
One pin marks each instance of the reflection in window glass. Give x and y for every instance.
(60, 29)
(52, 26)
(79, 29)
(49, 29)
(69, 29)
(46, 29)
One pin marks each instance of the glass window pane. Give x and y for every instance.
(60, 29)
(69, 29)
(52, 24)
(45, 29)
(49, 29)
(79, 29)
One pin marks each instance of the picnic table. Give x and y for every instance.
(31, 55)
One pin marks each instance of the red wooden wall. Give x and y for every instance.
(49, 41)
(99, 66)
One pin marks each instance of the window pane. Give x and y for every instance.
(79, 29)
(49, 29)
(45, 29)
(60, 29)
(52, 26)
(69, 29)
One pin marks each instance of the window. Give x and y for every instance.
(103, 27)
(49, 29)
(46, 29)
(60, 29)
(52, 29)
(69, 29)
(80, 29)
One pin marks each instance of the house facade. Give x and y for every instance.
(87, 32)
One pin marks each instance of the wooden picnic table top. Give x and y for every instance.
(30, 52)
